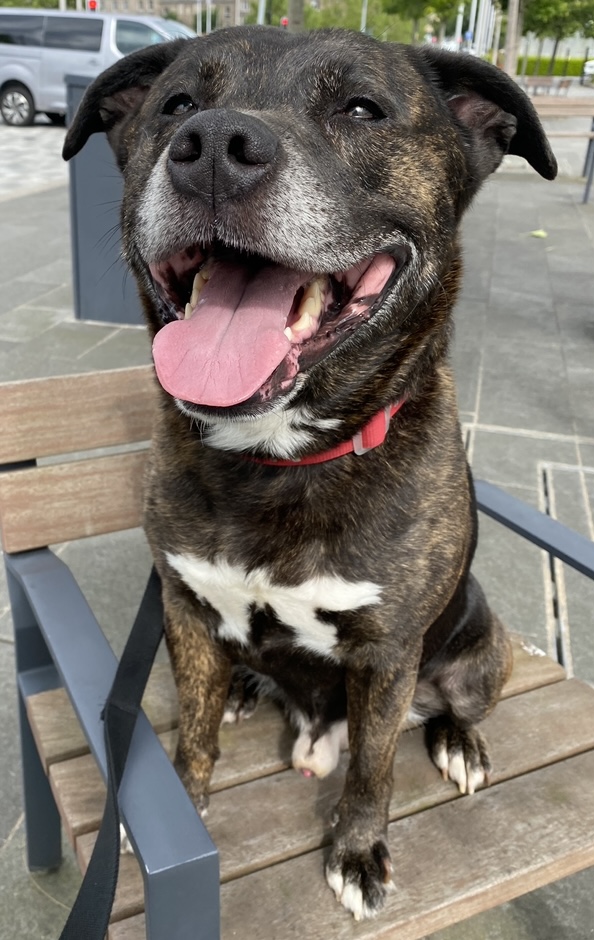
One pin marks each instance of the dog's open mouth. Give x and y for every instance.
(238, 329)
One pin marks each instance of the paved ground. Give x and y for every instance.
(524, 357)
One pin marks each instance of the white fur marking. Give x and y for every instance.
(350, 894)
(125, 844)
(232, 590)
(336, 881)
(476, 778)
(322, 757)
(457, 771)
(281, 433)
(414, 718)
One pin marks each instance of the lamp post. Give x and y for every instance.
(459, 21)
(364, 16)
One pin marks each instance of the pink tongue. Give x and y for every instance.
(235, 339)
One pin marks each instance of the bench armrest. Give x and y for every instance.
(547, 533)
(169, 837)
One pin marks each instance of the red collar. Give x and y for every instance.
(371, 435)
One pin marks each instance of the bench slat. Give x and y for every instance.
(450, 862)
(58, 733)
(266, 821)
(59, 736)
(559, 107)
(43, 417)
(253, 750)
(45, 505)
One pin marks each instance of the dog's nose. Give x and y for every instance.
(218, 155)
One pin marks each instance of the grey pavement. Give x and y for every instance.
(524, 360)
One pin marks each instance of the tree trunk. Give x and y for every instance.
(415, 30)
(296, 16)
(538, 58)
(554, 55)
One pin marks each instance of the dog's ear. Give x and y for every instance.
(118, 92)
(499, 115)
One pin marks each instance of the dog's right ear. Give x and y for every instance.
(117, 93)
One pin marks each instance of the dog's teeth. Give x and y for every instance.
(309, 311)
(188, 311)
(199, 282)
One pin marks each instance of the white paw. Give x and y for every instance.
(320, 758)
(125, 844)
(350, 895)
(232, 716)
(454, 766)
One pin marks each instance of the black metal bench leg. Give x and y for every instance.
(589, 152)
(589, 179)
(42, 820)
(184, 903)
(35, 672)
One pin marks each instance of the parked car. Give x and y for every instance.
(587, 71)
(38, 48)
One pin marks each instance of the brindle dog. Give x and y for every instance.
(291, 214)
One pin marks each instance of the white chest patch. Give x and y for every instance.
(233, 592)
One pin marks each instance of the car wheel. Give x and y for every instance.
(58, 119)
(16, 106)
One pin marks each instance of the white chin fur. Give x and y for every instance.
(281, 434)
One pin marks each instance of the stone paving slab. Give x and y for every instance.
(31, 158)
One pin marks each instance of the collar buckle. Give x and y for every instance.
(374, 432)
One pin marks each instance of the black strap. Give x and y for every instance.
(89, 917)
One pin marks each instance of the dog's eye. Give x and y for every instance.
(179, 104)
(362, 109)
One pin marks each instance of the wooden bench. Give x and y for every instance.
(534, 83)
(556, 107)
(453, 856)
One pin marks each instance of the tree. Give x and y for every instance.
(344, 13)
(414, 10)
(557, 19)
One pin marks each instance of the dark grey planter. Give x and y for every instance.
(104, 288)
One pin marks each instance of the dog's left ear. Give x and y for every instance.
(499, 115)
(118, 92)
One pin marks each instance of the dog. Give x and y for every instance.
(291, 211)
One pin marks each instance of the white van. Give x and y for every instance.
(39, 47)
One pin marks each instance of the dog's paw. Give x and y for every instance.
(361, 879)
(460, 755)
(320, 757)
(242, 698)
(125, 844)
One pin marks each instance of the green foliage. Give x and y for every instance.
(559, 18)
(275, 10)
(35, 4)
(408, 9)
(347, 13)
(442, 12)
(574, 66)
(343, 13)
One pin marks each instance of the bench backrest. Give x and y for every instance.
(60, 491)
(564, 107)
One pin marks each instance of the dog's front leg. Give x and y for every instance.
(359, 868)
(202, 675)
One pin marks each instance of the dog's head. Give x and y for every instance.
(291, 205)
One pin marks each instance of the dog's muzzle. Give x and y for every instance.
(218, 155)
